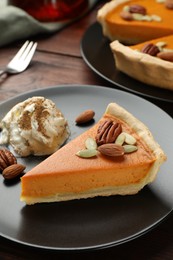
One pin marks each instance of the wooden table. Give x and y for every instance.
(58, 61)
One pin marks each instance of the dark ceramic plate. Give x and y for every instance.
(97, 54)
(89, 223)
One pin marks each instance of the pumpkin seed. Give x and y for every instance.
(129, 139)
(167, 50)
(156, 18)
(120, 139)
(130, 148)
(147, 18)
(161, 44)
(90, 143)
(87, 153)
(160, 1)
(137, 17)
(126, 8)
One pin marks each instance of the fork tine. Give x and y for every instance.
(26, 51)
(21, 60)
(19, 53)
(30, 54)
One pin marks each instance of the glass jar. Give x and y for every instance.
(52, 10)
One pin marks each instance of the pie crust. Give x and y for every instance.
(143, 132)
(143, 67)
(101, 17)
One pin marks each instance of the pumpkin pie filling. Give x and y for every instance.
(65, 176)
(167, 43)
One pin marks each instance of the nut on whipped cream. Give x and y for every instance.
(35, 126)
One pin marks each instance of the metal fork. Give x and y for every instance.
(21, 60)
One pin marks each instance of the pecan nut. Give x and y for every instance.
(169, 4)
(150, 49)
(139, 9)
(107, 132)
(6, 159)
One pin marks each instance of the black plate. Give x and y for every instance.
(98, 222)
(97, 54)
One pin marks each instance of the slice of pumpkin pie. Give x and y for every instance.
(118, 155)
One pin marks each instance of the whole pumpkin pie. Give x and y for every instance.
(118, 155)
(136, 21)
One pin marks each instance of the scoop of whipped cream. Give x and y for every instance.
(35, 126)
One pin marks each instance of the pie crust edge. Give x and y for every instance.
(101, 18)
(143, 67)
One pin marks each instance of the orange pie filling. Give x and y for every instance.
(165, 42)
(64, 173)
